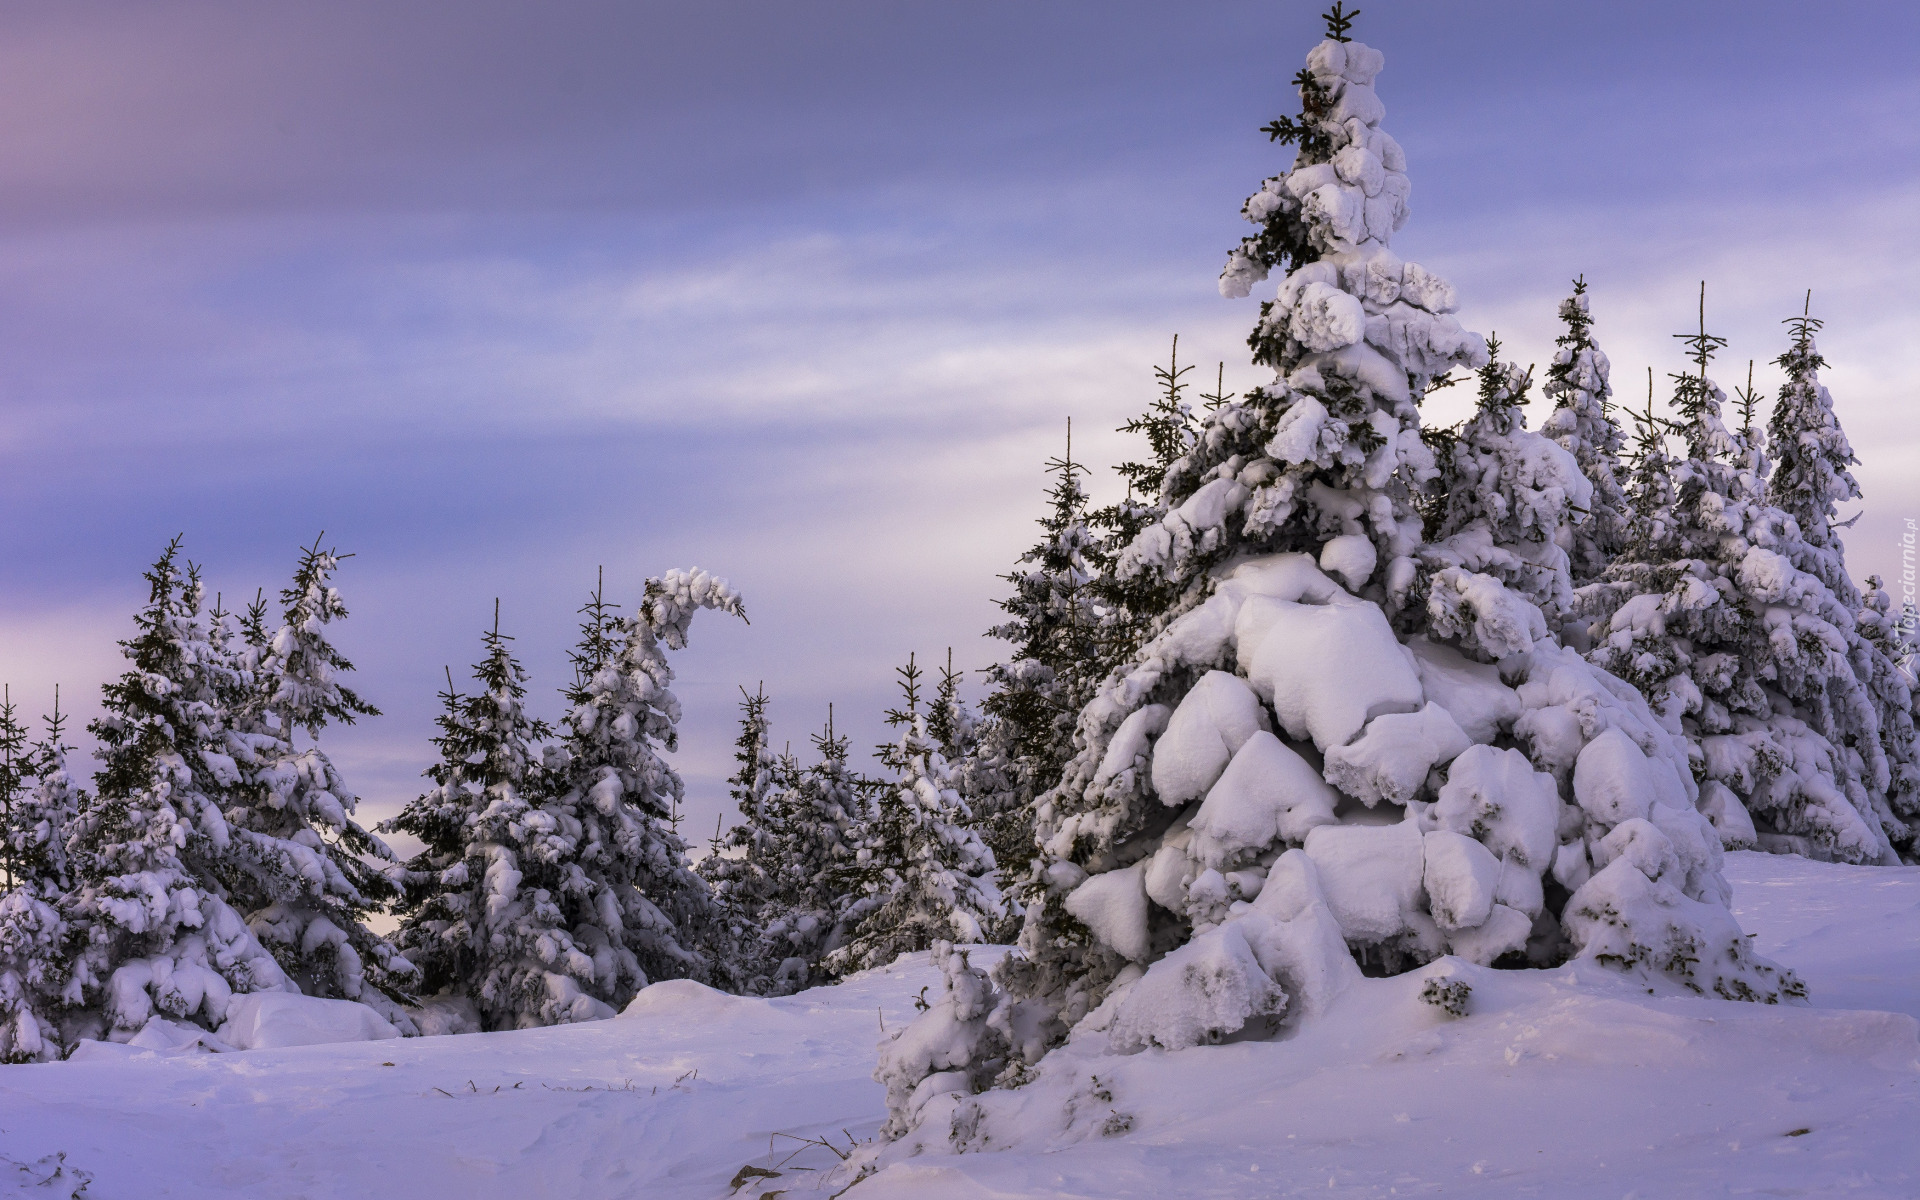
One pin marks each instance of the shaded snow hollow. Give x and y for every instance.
(1568, 1083)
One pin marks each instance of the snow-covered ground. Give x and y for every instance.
(1564, 1084)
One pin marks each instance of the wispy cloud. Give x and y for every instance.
(498, 300)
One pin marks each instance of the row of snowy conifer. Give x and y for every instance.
(1322, 677)
(1351, 693)
(217, 852)
(215, 855)
(1799, 728)
(1708, 571)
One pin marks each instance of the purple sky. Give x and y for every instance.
(803, 293)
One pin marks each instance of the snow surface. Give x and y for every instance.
(1570, 1083)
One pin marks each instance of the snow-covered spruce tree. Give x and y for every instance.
(920, 874)
(1336, 751)
(987, 777)
(306, 875)
(1753, 440)
(829, 806)
(959, 732)
(16, 768)
(1649, 470)
(632, 900)
(1746, 654)
(1809, 481)
(1890, 659)
(551, 887)
(466, 920)
(1510, 497)
(42, 809)
(954, 1037)
(150, 845)
(1126, 607)
(1811, 477)
(795, 838)
(36, 942)
(1582, 424)
(1054, 624)
(742, 865)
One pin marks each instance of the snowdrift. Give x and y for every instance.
(1572, 1083)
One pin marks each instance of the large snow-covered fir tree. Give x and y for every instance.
(1579, 384)
(161, 938)
(1745, 653)
(307, 875)
(920, 873)
(1338, 750)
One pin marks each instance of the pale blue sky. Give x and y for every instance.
(804, 293)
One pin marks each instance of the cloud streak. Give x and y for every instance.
(803, 295)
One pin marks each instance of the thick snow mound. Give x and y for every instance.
(438, 1016)
(1447, 1079)
(255, 1021)
(1497, 797)
(1212, 722)
(159, 1036)
(273, 1020)
(599, 1114)
(1472, 693)
(1302, 948)
(1114, 906)
(1371, 876)
(1461, 876)
(1267, 794)
(1205, 990)
(684, 1000)
(1329, 668)
(1390, 760)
